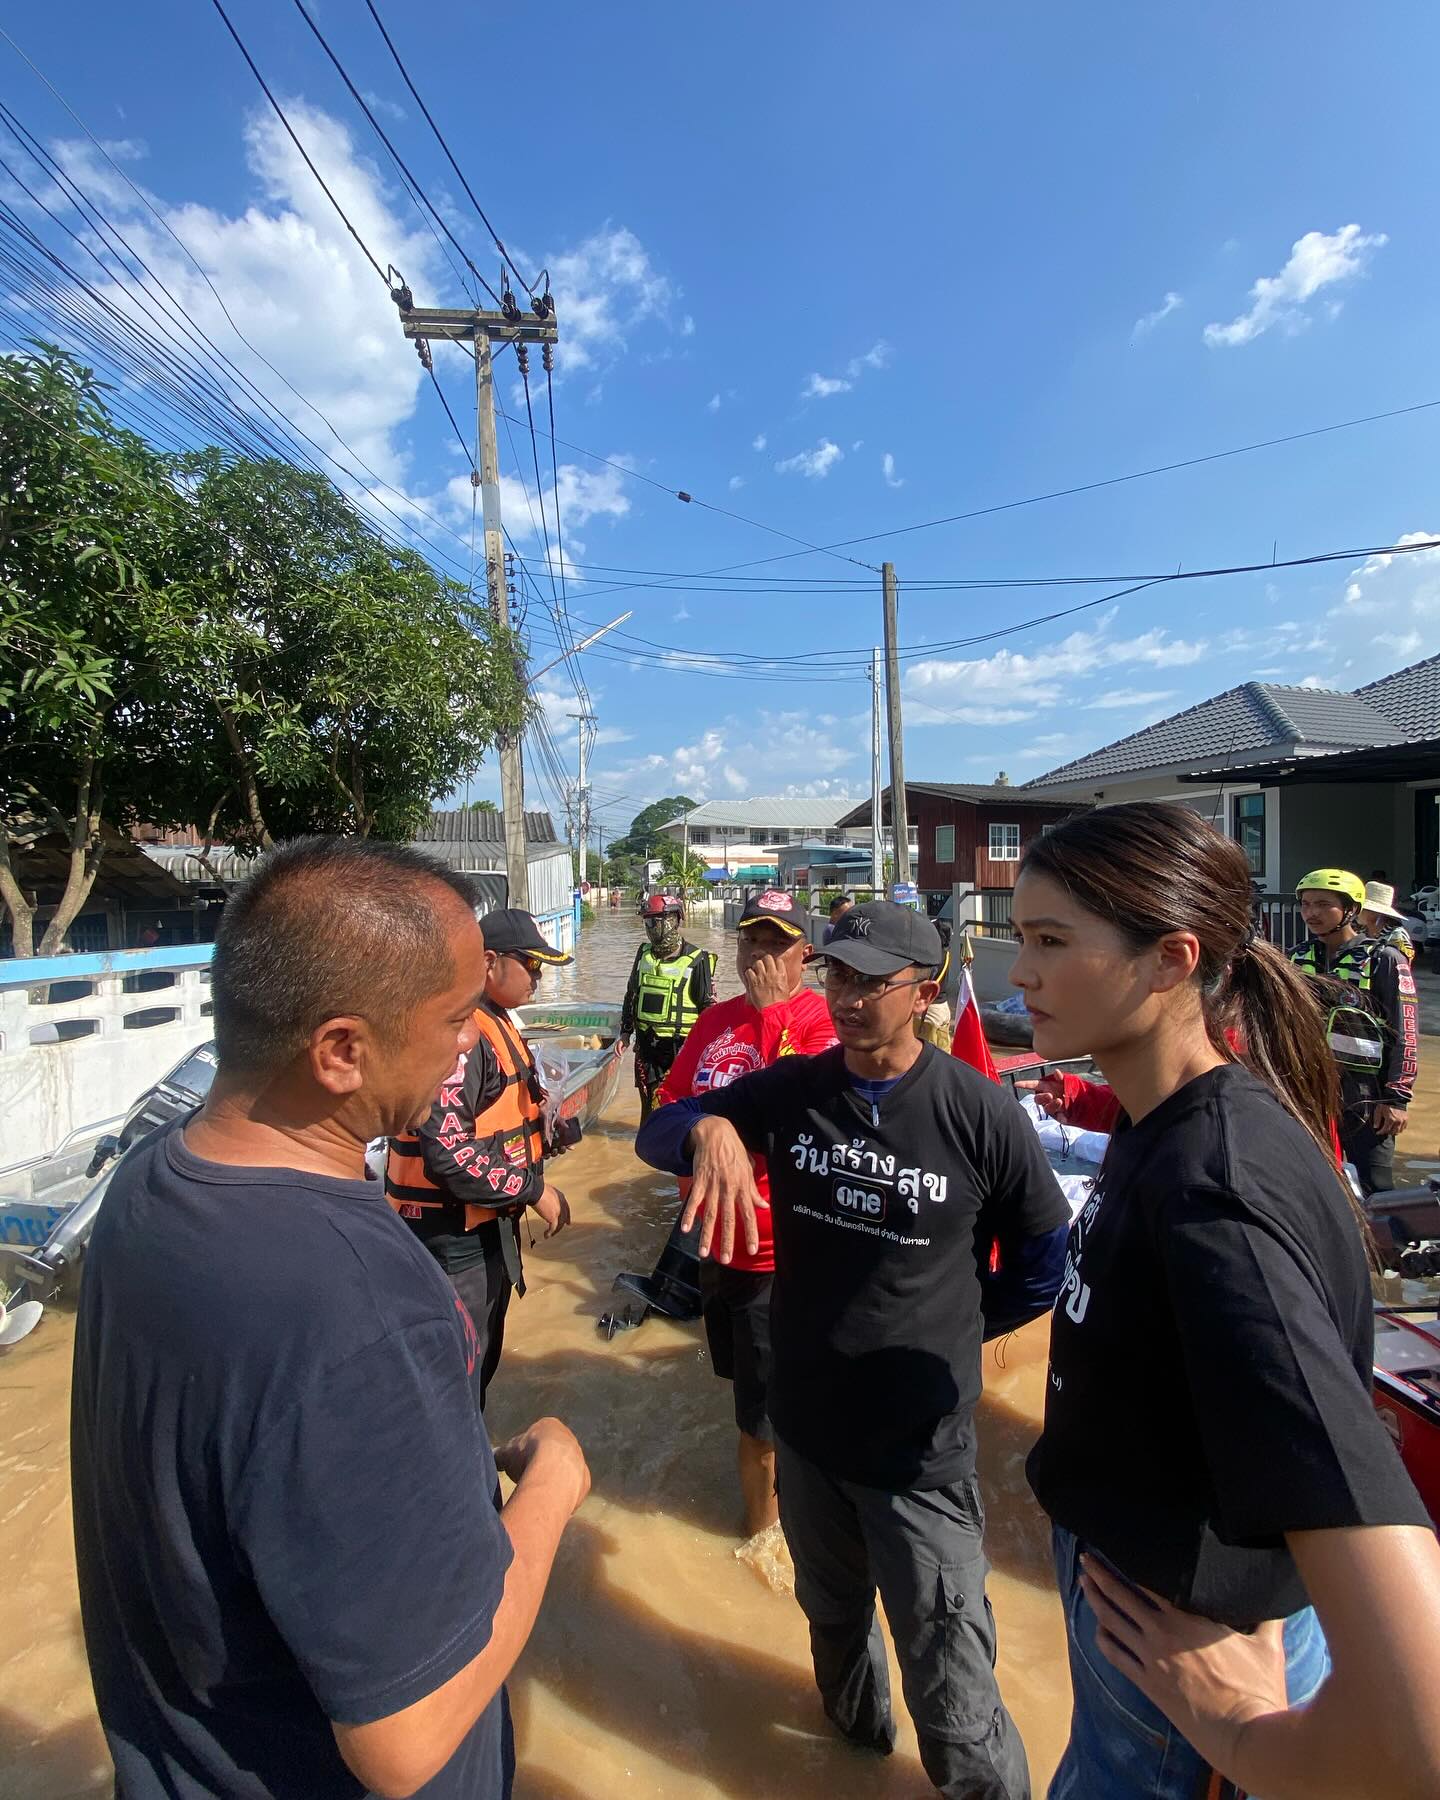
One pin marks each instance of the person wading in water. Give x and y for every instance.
(671, 983)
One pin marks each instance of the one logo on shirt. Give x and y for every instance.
(865, 1203)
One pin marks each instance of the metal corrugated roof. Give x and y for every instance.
(1411, 697)
(763, 810)
(1254, 716)
(967, 792)
(473, 827)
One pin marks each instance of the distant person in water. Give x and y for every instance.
(893, 1169)
(776, 1016)
(1229, 1512)
(295, 1574)
(671, 983)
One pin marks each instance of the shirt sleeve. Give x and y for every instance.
(367, 1520)
(1022, 1198)
(1089, 1105)
(1393, 985)
(702, 980)
(632, 989)
(462, 1151)
(749, 1104)
(794, 1028)
(1267, 1372)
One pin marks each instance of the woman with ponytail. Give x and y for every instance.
(1229, 1513)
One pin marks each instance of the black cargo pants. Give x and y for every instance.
(924, 1551)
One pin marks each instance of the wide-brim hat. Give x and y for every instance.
(1381, 899)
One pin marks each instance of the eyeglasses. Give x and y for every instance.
(865, 987)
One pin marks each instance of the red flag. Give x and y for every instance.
(968, 1042)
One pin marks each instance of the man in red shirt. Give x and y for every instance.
(776, 1016)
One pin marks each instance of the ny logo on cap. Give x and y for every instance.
(854, 926)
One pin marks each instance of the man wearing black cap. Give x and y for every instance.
(463, 1179)
(776, 1016)
(890, 1164)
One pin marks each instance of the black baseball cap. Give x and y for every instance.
(881, 938)
(779, 909)
(511, 931)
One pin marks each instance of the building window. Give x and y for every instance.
(1250, 829)
(834, 837)
(944, 843)
(761, 837)
(700, 834)
(1004, 843)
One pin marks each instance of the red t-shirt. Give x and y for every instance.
(731, 1040)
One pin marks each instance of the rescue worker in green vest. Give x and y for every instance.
(1368, 992)
(671, 983)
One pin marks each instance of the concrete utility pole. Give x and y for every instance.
(877, 785)
(425, 324)
(582, 795)
(899, 818)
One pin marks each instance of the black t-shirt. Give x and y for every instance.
(877, 1209)
(284, 1494)
(1210, 1358)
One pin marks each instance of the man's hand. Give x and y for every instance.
(1049, 1092)
(723, 1184)
(1389, 1121)
(554, 1209)
(550, 1452)
(624, 1042)
(1209, 1681)
(767, 983)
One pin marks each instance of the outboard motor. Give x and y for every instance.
(44, 1272)
(672, 1287)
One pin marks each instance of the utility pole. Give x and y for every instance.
(877, 834)
(899, 818)
(478, 328)
(582, 795)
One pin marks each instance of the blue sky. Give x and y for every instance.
(841, 282)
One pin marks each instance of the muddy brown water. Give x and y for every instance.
(663, 1664)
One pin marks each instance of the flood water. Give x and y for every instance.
(663, 1664)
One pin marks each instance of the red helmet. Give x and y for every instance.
(656, 906)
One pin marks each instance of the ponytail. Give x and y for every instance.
(1272, 1007)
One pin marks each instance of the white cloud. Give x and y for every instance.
(1171, 303)
(736, 483)
(814, 464)
(1316, 261)
(1399, 591)
(821, 387)
(682, 614)
(387, 109)
(1403, 643)
(757, 754)
(1116, 697)
(1315, 682)
(713, 403)
(604, 287)
(887, 468)
(687, 326)
(1013, 683)
(760, 442)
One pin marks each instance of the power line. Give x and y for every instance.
(384, 139)
(280, 115)
(529, 286)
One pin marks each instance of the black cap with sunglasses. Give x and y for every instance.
(881, 938)
(511, 931)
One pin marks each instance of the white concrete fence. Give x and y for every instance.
(82, 1037)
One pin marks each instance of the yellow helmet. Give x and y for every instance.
(1334, 881)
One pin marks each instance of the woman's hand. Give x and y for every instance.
(1209, 1681)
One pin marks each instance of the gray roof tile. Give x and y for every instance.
(1411, 697)
(1254, 716)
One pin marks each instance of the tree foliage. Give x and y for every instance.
(643, 835)
(217, 642)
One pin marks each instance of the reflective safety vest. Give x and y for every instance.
(1356, 1035)
(516, 1113)
(664, 1005)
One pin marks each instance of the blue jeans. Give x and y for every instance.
(1122, 1747)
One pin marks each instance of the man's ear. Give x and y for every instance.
(337, 1053)
(808, 954)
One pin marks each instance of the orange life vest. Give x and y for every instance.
(516, 1113)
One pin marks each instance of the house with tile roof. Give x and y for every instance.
(1233, 758)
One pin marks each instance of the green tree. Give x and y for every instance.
(331, 681)
(682, 871)
(480, 806)
(85, 511)
(643, 838)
